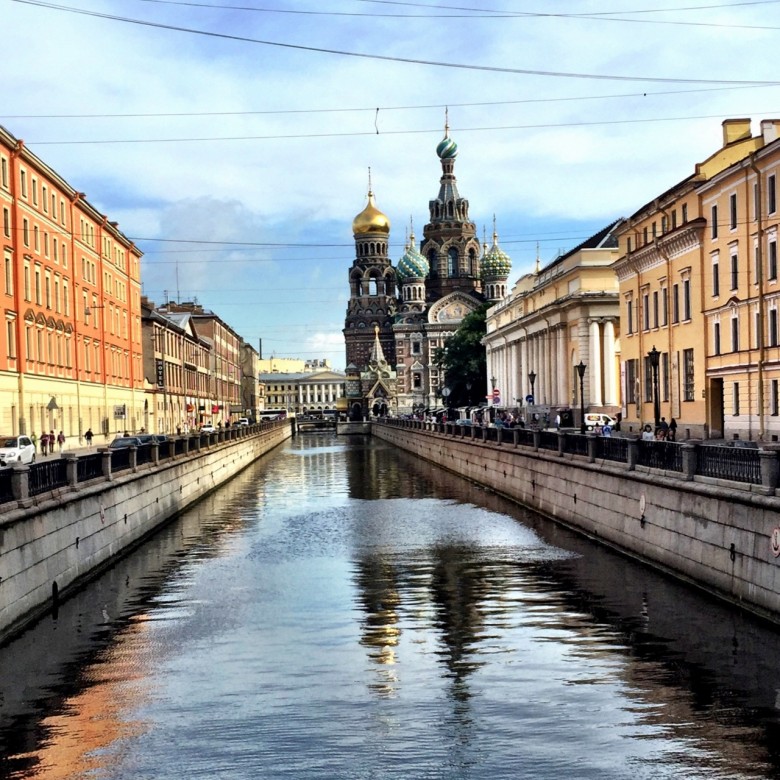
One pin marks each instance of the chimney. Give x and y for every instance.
(770, 130)
(735, 130)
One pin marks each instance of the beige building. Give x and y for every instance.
(283, 365)
(302, 393)
(555, 318)
(698, 277)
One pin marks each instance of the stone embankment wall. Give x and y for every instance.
(67, 535)
(717, 535)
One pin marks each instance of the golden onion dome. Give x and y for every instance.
(371, 219)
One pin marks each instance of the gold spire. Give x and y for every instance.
(371, 219)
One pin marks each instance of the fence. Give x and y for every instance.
(743, 465)
(19, 482)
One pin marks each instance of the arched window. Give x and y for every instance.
(452, 262)
(472, 262)
(433, 262)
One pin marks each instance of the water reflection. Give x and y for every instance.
(344, 610)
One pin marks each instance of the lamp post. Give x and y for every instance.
(654, 356)
(532, 379)
(581, 371)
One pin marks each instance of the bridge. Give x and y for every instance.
(315, 425)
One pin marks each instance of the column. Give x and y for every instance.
(564, 374)
(610, 368)
(594, 369)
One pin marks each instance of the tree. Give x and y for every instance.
(462, 360)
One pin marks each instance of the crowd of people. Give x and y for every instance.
(48, 441)
(664, 431)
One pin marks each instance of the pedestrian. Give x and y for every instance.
(647, 434)
(606, 430)
(34, 440)
(673, 430)
(88, 437)
(61, 440)
(44, 442)
(52, 440)
(558, 421)
(663, 426)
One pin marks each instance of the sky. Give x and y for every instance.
(232, 139)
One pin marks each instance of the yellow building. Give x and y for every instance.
(695, 276)
(559, 316)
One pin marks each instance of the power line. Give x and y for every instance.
(388, 58)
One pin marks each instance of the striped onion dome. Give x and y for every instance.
(412, 264)
(495, 263)
(447, 148)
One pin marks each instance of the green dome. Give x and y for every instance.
(412, 264)
(495, 263)
(447, 148)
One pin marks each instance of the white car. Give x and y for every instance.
(243, 421)
(16, 449)
(207, 428)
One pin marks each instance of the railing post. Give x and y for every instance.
(499, 436)
(515, 437)
(561, 443)
(484, 432)
(537, 439)
(71, 469)
(770, 468)
(471, 432)
(633, 454)
(133, 459)
(20, 483)
(689, 458)
(186, 445)
(155, 452)
(590, 438)
(106, 462)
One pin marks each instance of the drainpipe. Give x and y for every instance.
(760, 282)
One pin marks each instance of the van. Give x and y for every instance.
(243, 421)
(592, 419)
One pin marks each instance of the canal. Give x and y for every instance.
(343, 611)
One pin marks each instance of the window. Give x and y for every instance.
(716, 338)
(674, 218)
(675, 303)
(648, 394)
(664, 368)
(26, 231)
(735, 398)
(655, 308)
(688, 383)
(714, 222)
(6, 223)
(646, 311)
(756, 263)
(416, 348)
(715, 276)
(735, 334)
(38, 284)
(11, 338)
(772, 260)
(631, 380)
(452, 262)
(630, 316)
(684, 213)
(733, 211)
(686, 299)
(27, 282)
(664, 306)
(774, 399)
(23, 182)
(9, 275)
(734, 271)
(45, 198)
(4, 172)
(773, 328)
(771, 194)
(416, 380)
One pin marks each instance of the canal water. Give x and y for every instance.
(341, 611)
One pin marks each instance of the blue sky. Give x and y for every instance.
(238, 165)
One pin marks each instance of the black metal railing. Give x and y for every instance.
(611, 448)
(48, 475)
(737, 464)
(89, 467)
(6, 490)
(120, 459)
(734, 464)
(144, 454)
(660, 455)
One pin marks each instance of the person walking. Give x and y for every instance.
(673, 430)
(44, 442)
(61, 440)
(34, 440)
(88, 437)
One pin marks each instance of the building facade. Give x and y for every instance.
(419, 303)
(70, 345)
(562, 315)
(303, 393)
(697, 294)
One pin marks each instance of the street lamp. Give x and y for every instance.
(532, 379)
(653, 356)
(581, 371)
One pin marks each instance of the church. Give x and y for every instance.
(399, 315)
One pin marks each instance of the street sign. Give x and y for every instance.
(496, 392)
(496, 400)
(529, 399)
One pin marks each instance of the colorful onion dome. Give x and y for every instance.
(495, 263)
(371, 219)
(412, 264)
(447, 148)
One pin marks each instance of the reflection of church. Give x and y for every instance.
(404, 313)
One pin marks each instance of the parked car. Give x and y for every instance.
(243, 421)
(16, 449)
(207, 428)
(123, 442)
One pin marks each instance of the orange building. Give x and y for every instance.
(70, 344)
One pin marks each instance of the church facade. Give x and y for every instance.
(411, 308)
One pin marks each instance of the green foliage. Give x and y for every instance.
(462, 359)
